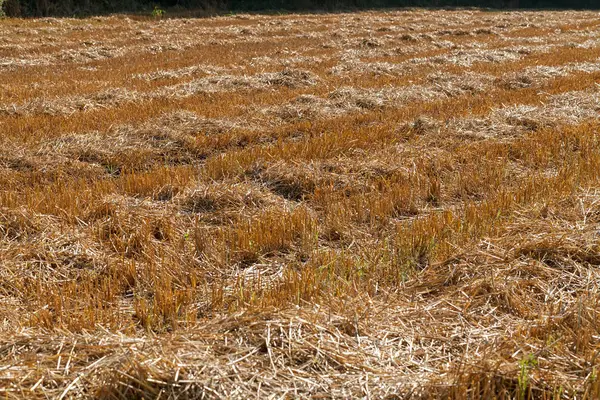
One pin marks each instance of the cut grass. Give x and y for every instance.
(301, 206)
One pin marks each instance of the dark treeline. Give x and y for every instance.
(207, 7)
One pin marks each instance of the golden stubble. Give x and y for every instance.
(319, 205)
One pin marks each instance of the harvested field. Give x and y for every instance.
(400, 204)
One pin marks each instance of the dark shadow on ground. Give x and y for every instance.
(210, 8)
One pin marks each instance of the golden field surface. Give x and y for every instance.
(400, 204)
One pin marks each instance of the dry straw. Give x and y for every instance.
(399, 204)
